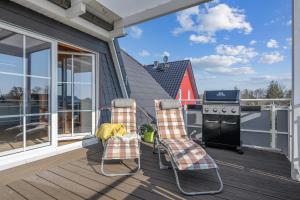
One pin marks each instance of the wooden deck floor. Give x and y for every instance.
(76, 175)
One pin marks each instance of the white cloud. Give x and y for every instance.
(217, 18)
(204, 39)
(166, 53)
(221, 64)
(232, 70)
(289, 41)
(213, 61)
(135, 32)
(144, 53)
(239, 51)
(268, 78)
(186, 21)
(272, 44)
(252, 42)
(289, 23)
(270, 58)
(206, 77)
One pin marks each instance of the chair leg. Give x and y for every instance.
(120, 174)
(161, 165)
(194, 193)
(198, 193)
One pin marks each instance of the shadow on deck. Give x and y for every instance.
(76, 175)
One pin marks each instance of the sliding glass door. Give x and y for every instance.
(76, 99)
(25, 75)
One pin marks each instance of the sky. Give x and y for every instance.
(242, 43)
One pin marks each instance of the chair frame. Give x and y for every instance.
(103, 159)
(160, 146)
(119, 174)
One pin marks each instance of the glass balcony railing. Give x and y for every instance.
(265, 123)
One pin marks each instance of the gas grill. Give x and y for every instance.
(221, 119)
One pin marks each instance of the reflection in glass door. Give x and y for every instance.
(75, 94)
(25, 75)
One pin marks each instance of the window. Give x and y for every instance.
(25, 64)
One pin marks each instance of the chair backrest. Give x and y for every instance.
(124, 112)
(169, 117)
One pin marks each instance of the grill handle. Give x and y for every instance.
(209, 121)
(231, 123)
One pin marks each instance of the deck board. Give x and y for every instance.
(7, 193)
(76, 175)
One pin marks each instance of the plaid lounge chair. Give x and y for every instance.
(183, 152)
(123, 112)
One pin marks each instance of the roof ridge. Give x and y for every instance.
(184, 60)
(131, 57)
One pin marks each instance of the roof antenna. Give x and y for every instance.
(166, 64)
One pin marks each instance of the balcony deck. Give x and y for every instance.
(75, 175)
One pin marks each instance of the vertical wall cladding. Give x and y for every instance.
(109, 86)
(25, 18)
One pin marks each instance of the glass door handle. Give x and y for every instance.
(209, 121)
(231, 123)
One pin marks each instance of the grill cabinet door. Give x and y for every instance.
(230, 130)
(211, 128)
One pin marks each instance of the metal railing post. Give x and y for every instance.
(273, 126)
(290, 135)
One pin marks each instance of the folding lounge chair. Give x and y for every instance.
(183, 152)
(123, 112)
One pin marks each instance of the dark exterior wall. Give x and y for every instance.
(25, 18)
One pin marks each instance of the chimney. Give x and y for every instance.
(165, 59)
(156, 64)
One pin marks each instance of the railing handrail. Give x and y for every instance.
(265, 99)
(281, 99)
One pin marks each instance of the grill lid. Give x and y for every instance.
(222, 96)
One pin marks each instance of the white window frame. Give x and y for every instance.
(52, 125)
(64, 137)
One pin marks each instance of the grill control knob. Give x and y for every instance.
(233, 110)
(224, 110)
(206, 109)
(215, 110)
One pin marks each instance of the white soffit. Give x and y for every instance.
(120, 13)
(136, 11)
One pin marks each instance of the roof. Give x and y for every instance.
(170, 78)
(144, 89)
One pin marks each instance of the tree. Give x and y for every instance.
(15, 93)
(274, 90)
(288, 94)
(247, 94)
(259, 93)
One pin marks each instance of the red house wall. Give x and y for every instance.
(185, 86)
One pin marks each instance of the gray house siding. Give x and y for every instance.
(25, 18)
(144, 88)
